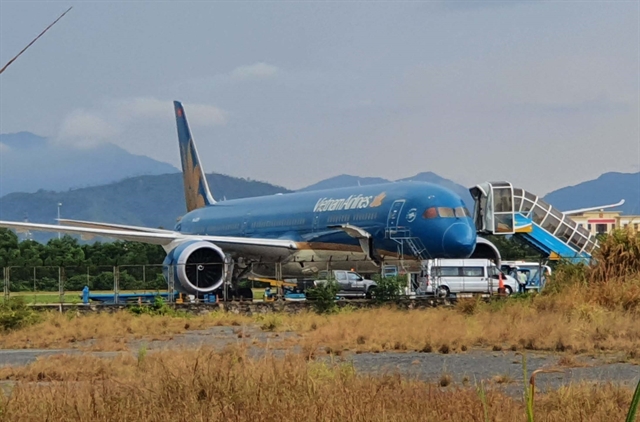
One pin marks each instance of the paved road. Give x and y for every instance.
(467, 367)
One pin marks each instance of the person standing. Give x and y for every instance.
(522, 282)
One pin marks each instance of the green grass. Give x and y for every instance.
(75, 296)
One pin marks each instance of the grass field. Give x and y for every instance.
(583, 311)
(75, 297)
(204, 384)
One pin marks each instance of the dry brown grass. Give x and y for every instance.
(110, 331)
(204, 385)
(583, 310)
(566, 322)
(539, 324)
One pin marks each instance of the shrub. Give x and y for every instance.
(15, 314)
(323, 296)
(388, 288)
(158, 307)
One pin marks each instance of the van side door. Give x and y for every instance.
(475, 279)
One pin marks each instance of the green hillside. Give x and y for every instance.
(151, 201)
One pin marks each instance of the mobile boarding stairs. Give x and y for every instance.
(501, 209)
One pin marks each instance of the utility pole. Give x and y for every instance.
(59, 205)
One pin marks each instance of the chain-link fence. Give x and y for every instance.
(213, 282)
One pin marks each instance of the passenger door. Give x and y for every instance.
(394, 215)
(341, 279)
(475, 280)
(356, 282)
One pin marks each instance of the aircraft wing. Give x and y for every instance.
(109, 226)
(243, 246)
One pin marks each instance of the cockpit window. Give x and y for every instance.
(462, 212)
(446, 212)
(430, 213)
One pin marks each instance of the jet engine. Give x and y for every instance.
(198, 267)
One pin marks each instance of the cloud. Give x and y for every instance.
(205, 115)
(85, 129)
(4, 147)
(153, 108)
(258, 70)
(113, 118)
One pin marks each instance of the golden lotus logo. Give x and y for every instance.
(353, 202)
(377, 201)
(192, 178)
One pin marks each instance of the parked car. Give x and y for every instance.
(351, 284)
(446, 276)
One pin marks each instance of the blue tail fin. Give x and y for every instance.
(196, 189)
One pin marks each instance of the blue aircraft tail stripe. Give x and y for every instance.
(196, 189)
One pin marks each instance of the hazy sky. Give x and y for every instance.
(543, 94)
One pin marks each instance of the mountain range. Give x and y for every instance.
(84, 182)
(30, 162)
(609, 188)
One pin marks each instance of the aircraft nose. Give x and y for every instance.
(459, 241)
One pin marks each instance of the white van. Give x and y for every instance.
(447, 276)
(537, 273)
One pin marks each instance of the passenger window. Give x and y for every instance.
(539, 213)
(578, 241)
(517, 201)
(526, 206)
(503, 223)
(341, 276)
(502, 200)
(430, 213)
(353, 276)
(446, 212)
(473, 271)
(447, 271)
(564, 232)
(550, 224)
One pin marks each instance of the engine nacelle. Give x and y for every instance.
(198, 267)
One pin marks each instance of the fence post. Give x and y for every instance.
(116, 287)
(7, 284)
(170, 282)
(34, 285)
(61, 283)
(5, 277)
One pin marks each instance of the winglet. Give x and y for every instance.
(196, 189)
(601, 207)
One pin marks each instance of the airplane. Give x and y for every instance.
(293, 234)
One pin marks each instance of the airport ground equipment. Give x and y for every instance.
(144, 297)
(286, 290)
(501, 209)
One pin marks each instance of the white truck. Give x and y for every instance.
(351, 284)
